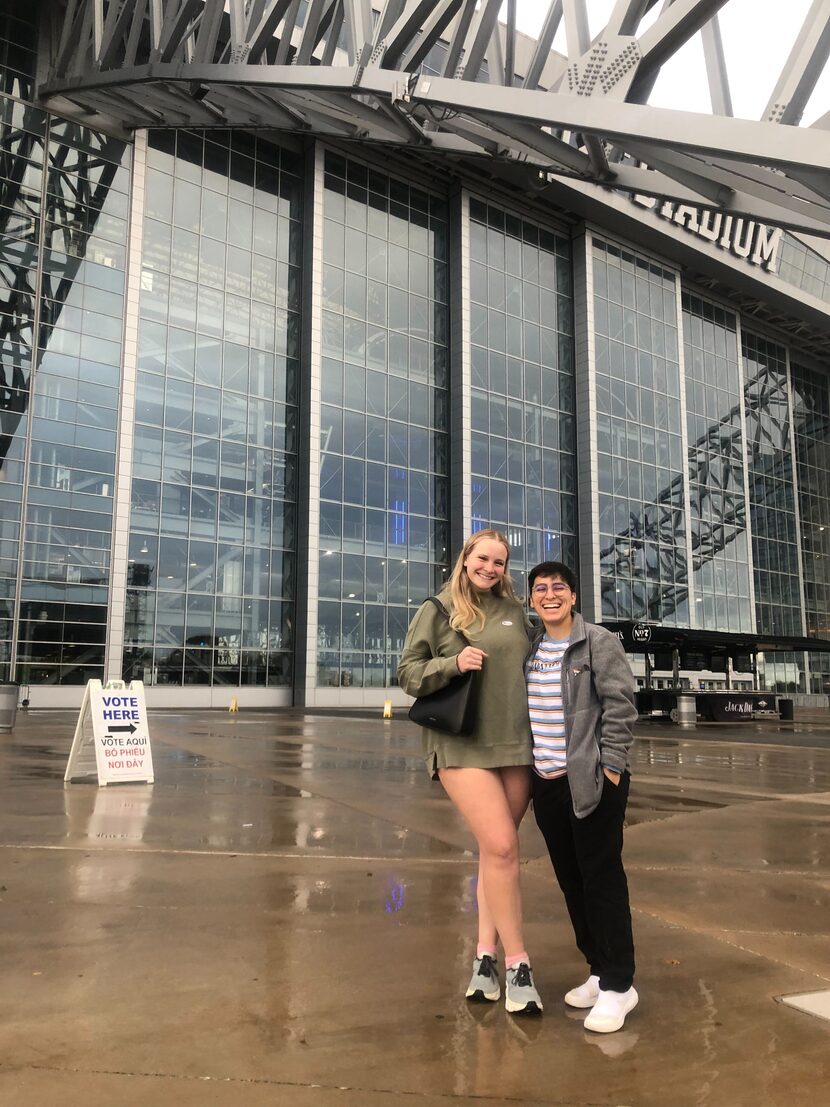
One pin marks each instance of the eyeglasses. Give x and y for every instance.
(559, 588)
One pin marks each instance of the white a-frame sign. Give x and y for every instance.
(112, 738)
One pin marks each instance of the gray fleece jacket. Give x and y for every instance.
(598, 698)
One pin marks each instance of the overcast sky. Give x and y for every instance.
(757, 36)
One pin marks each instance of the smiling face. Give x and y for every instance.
(486, 564)
(553, 601)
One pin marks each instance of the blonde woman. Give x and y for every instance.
(485, 775)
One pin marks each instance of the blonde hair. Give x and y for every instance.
(465, 601)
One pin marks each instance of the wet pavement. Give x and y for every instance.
(287, 916)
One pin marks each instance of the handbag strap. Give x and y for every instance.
(446, 614)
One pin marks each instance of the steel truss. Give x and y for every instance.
(448, 76)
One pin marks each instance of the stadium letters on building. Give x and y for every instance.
(754, 242)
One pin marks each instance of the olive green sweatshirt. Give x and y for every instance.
(428, 662)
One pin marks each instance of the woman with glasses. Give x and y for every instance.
(581, 701)
(486, 774)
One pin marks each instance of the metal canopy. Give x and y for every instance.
(449, 76)
(720, 643)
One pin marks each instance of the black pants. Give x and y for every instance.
(587, 859)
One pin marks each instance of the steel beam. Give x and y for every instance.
(174, 28)
(690, 173)
(551, 149)
(626, 17)
(495, 60)
(317, 19)
(70, 35)
(459, 36)
(803, 67)
(761, 176)
(208, 33)
(335, 27)
(765, 185)
(544, 45)
(236, 11)
(443, 14)
(510, 44)
(115, 28)
(404, 31)
(260, 106)
(391, 12)
(358, 24)
(736, 203)
(156, 12)
(485, 24)
(287, 36)
(818, 181)
(467, 136)
(738, 139)
(577, 34)
(673, 29)
(716, 69)
(97, 26)
(263, 33)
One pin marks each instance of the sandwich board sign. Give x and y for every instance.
(112, 737)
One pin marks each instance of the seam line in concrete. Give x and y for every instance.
(265, 1082)
(257, 854)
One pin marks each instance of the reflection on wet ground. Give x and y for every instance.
(288, 915)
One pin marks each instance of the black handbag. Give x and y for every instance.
(452, 709)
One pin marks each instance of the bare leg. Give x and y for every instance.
(516, 781)
(492, 806)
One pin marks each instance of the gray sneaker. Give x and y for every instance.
(484, 983)
(521, 997)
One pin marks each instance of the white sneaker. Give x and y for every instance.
(585, 995)
(609, 1011)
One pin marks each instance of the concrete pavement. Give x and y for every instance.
(287, 917)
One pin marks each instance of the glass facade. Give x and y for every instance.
(384, 421)
(196, 507)
(65, 195)
(720, 546)
(211, 573)
(811, 421)
(641, 475)
(523, 471)
(803, 267)
(771, 488)
(22, 153)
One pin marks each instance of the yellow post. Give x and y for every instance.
(387, 709)
(234, 707)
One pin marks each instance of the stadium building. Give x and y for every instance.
(295, 294)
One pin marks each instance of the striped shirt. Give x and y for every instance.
(547, 716)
